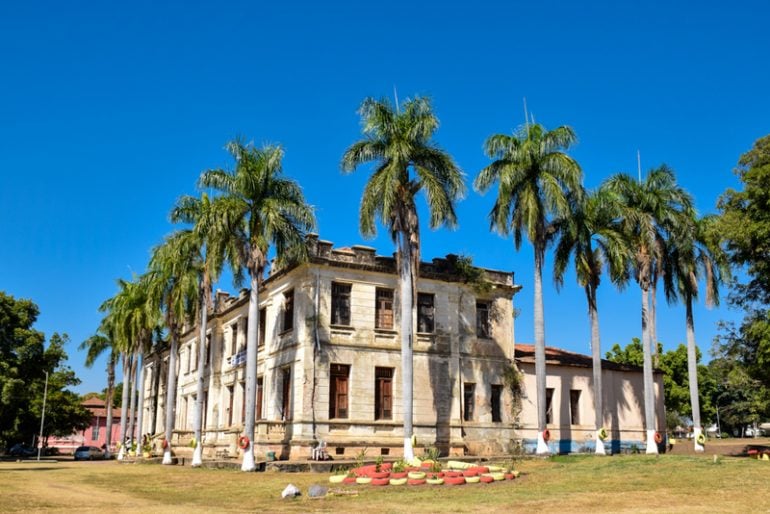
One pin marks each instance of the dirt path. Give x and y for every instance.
(726, 447)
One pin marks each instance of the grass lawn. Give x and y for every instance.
(669, 483)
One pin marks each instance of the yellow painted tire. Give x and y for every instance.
(363, 480)
(456, 464)
(602, 433)
(336, 479)
(497, 476)
(701, 440)
(472, 480)
(193, 443)
(397, 481)
(416, 475)
(435, 481)
(496, 469)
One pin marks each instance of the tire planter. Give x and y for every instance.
(509, 476)
(363, 480)
(480, 469)
(426, 464)
(379, 474)
(380, 481)
(497, 476)
(416, 475)
(453, 474)
(416, 481)
(486, 479)
(473, 480)
(336, 479)
(454, 480)
(658, 438)
(495, 469)
(397, 481)
(456, 464)
(243, 442)
(349, 480)
(470, 472)
(435, 481)
(398, 474)
(434, 474)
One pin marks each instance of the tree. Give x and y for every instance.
(213, 248)
(535, 179)
(95, 346)
(260, 208)
(592, 237)
(406, 161)
(650, 211)
(696, 255)
(172, 288)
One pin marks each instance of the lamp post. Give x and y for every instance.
(42, 418)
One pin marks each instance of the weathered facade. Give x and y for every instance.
(329, 360)
(330, 355)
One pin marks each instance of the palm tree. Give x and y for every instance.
(650, 211)
(259, 208)
(535, 178)
(406, 161)
(95, 346)
(697, 256)
(172, 282)
(592, 237)
(213, 250)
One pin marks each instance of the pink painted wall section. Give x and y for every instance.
(95, 434)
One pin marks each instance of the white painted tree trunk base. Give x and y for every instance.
(121, 455)
(167, 456)
(600, 450)
(197, 456)
(542, 446)
(652, 446)
(699, 448)
(408, 449)
(248, 463)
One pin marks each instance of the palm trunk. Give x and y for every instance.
(692, 372)
(109, 395)
(170, 395)
(198, 414)
(124, 406)
(132, 401)
(649, 393)
(540, 371)
(406, 290)
(252, 330)
(653, 319)
(596, 353)
(140, 404)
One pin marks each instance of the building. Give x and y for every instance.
(329, 362)
(570, 412)
(95, 434)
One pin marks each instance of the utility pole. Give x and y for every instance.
(42, 418)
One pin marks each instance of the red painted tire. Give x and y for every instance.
(509, 476)
(434, 474)
(546, 435)
(416, 481)
(454, 480)
(380, 481)
(349, 480)
(243, 442)
(165, 444)
(480, 469)
(377, 475)
(399, 474)
(658, 438)
(486, 479)
(470, 473)
(453, 474)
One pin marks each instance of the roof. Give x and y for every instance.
(556, 356)
(98, 408)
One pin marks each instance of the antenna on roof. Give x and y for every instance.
(395, 95)
(639, 165)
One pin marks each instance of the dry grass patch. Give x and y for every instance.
(568, 484)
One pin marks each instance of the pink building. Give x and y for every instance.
(95, 434)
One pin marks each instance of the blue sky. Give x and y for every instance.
(109, 112)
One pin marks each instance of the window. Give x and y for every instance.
(425, 313)
(288, 310)
(482, 319)
(262, 326)
(383, 393)
(383, 308)
(208, 350)
(549, 405)
(233, 338)
(230, 394)
(338, 390)
(469, 401)
(243, 402)
(340, 304)
(574, 406)
(494, 401)
(258, 413)
(95, 431)
(286, 390)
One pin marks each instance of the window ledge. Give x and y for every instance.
(346, 328)
(386, 331)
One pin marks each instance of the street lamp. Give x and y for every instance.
(42, 418)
